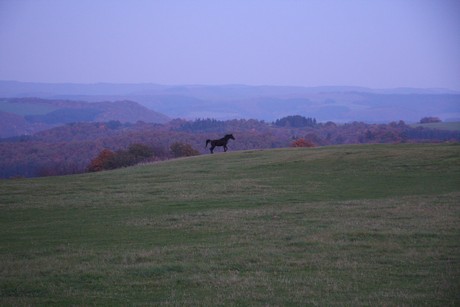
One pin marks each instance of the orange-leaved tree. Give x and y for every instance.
(102, 161)
(302, 143)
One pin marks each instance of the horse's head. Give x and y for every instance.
(229, 136)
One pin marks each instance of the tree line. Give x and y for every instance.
(81, 147)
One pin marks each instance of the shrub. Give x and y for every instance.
(102, 161)
(183, 150)
(107, 159)
(302, 143)
(140, 151)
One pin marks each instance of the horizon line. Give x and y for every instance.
(356, 87)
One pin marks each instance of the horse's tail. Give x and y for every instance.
(207, 142)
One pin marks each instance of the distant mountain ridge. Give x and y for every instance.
(325, 103)
(35, 89)
(20, 116)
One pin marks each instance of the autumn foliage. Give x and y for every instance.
(102, 161)
(179, 149)
(79, 147)
(302, 143)
(108, 159)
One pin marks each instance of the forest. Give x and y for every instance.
(75, 147)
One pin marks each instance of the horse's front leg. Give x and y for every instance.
(212, 149)
(225, 148)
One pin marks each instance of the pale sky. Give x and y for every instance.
(371, 43)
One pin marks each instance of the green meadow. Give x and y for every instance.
(347, 225)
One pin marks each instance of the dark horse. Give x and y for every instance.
(220, 142)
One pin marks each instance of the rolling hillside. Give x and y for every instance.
(24, 116)
(326, 103)
(344, 225)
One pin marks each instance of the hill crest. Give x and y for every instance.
(24, 116)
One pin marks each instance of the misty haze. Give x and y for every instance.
(229, 153)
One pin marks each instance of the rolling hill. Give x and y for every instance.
(24, 116)
(326, 103)
(343, 225)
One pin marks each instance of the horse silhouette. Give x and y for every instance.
(220, 142)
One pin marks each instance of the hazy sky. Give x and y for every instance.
(372, 43)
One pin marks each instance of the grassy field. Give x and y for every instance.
(348, 225)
